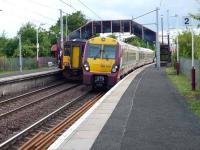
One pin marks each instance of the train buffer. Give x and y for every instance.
(143, 111)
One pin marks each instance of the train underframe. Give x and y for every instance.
(100, 80)
(73, 74)
(108, 80)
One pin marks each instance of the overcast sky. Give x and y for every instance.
(18, 12)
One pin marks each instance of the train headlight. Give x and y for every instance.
(114, 68)
(86, 66)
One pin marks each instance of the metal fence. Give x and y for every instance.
(12, 64)
(186, 66)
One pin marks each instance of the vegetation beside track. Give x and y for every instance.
(184, 87)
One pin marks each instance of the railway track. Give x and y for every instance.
(38, 129)
(33, 102)
(33, 108)
(9, 100)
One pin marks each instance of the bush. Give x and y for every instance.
(185, 45)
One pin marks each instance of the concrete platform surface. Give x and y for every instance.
(82, 134)
(151, 115)
(31, 73)
(142, 112)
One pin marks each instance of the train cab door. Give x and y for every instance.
(76, 53)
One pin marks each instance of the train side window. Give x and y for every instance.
(132, 56)
(127, 56)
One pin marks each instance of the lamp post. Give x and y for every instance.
(177, 44)
(193, 69)
(66, 27)
(157, 40)
(162, 27)
(20, 53)
(168, 31)
(37, 41)
(177, 48)
(37, 45)
(61, 40)
(176, 64)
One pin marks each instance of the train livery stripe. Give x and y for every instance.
(100, 65)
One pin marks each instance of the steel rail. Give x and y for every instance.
(35, 102)
(28, 93)
(44, 140)
(5, 145)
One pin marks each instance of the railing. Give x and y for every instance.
(186, 66)
(12, 64)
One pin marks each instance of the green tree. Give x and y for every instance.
(28, 38)
(197, 15)
(113, 36)
(11, 47)
(3, 42)
(136, 41)
(28, 34)
(74, 21)
(45, 43)
(185, 45)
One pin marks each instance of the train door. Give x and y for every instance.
(75, 62)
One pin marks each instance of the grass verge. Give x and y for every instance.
(184, 87)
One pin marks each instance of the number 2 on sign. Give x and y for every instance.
(187, 21)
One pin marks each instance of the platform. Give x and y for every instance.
(18, 83)
(142, 112)
(27, 74)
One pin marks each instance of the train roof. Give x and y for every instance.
(103, 40)
(112, 41)
(82, 41)
(146, 49)
(136, 47)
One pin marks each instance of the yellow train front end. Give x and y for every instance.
(72, 59)
(101, 62)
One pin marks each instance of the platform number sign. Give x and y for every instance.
(187, 20)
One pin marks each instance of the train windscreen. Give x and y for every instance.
(67, 50)
(94, 51)
(101, 51)
(109, 51)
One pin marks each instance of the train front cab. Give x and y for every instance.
(101, 63)
(72, 59)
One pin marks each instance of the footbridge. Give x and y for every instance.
(113, 26)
